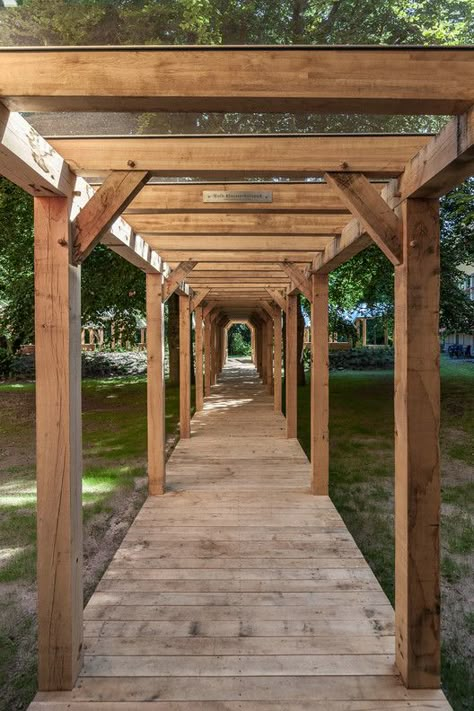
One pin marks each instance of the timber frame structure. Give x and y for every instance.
(238, 262)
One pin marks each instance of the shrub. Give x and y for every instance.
(6, 361)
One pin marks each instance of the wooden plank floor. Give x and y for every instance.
(238, 590)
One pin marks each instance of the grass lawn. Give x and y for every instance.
(361, 486)
(114, 487)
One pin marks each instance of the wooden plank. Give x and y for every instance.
(288, 197)
(176, 277)
(278, 297)
(58, 446)
(101, 211)
(226, 157)
(291, 386)
(29, 161)
(278, 243)
(207, 350)
(319, 385)
(430, 80)
(443, 163)
(417, 475)
(376, 216)
(199, 358)
(243, 223)
(253, 256)
(184, 367)
(155, 384)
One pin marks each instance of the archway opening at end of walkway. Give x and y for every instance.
(239, 340)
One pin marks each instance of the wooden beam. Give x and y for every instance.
(375, 215)
(198, 297)
(277, 359)
(291, 384)
(443, 163)
(278, 297)
(184, 367)
(176, 277)
(238, 224)
(28, 160)
(199, 345)
(285, 197)
(244, 256)
(155, 346)
(105, 205)
(319, 386)
(58, 447)
(299, 279)
(417, 468)
(226, 157)
(315, 79)
(354, 239)
(235, 243)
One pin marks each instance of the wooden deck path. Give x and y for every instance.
(238, 590)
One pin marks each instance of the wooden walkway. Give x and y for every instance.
(238, 590)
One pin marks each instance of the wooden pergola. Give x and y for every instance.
(243, 261)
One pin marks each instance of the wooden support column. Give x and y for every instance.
(184, 367)
(58, 447)
(319, 385)
(198, 342)
(364, 331)
(277, 361)
(207, 355)
(417, 476)
(155, 384)
(252, 343)
(291, 382)
(269, 353)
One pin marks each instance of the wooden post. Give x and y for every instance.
(364, 331)
(252, 343)
(417, 477)
(58, 447)
(198, 342)
(277, 404)
(184, 367)
(155, 384)
(269, 353)
(319, 386)
(291, 382)
(207, 356)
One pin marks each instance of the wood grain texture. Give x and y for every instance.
(417, 475)
(278, 359)
(239, 79)
(58, 446)
(199, 346)
(237, 589)
(184, 367)
(105, 205)
(319, 384)
(155, 384)
(291, 388)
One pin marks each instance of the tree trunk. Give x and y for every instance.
(173, 339)
(300, 342)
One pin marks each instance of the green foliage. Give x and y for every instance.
(239, 340)
(6, 362)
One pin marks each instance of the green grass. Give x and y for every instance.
(114, 446)
(361, 486)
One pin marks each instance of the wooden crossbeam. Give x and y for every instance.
(189, 198)
(238, 224)
(96, 217)
(443, 163)
(228, 157)
(208, 308)
(198, 297)
(222, 242)
(366, 204)
(301, 282)
(28, 160)
(278, 298)
(245, 79)
(175, 278)
(244, 256)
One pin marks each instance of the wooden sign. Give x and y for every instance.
(237, 196)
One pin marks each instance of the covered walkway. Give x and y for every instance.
(237, 589)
